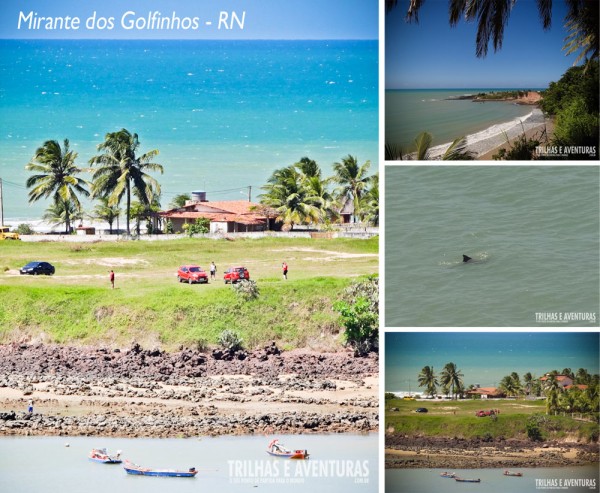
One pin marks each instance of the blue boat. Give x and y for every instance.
(136, 470)
(102, 456)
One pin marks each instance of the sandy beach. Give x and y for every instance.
(150, 393)
(486, 143)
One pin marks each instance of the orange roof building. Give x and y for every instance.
(227, 216)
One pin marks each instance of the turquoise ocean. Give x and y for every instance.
(437, 111)
(223, 114)
(532, 231)
(484, 358)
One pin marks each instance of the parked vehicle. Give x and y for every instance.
(421, 410)
(35, 268)
(192, 274)
(491, 412)
(236, 274)
(5, 234)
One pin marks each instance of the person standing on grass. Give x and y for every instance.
(284, 267)
(213, 270)
(112, 278)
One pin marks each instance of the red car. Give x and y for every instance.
(191, 274)
(236, 274)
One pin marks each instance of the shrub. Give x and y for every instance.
(247, 290)
(576, 126)
(361, 323)
(201, 226)
(25, 229)
(230, 341)
(534, 432)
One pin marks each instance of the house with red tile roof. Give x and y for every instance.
(563, 380)
(487, 392)
(581, 387)
(226, 216)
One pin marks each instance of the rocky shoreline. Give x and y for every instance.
(461, 453)
(151, 393)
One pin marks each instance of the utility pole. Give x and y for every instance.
(1, 205)
(249, 192)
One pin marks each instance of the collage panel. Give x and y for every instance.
(514, 411)
(189, 246)
(491, 80)
(492, 246)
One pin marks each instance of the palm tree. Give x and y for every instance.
(294, 203)
(582, 377)
(60, 212)
(452, 376)
(423, 144)
(107, 212)
(428, 379)
(179, 200)
(492, 17)
(582, 24)
(122, 171)
(511, 385)
(551, 401)
(352, 178)
(369, 206)
(308, 167)
(528, 379)
(568, 372)
(56, 177)
(457, 151)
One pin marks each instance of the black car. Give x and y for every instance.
(421, 410)
(35, 268)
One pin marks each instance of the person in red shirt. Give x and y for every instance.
(284, 267)
(112, 279)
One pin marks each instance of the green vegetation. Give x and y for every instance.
(299, 195)
(421, 150)
(359, 310)
(517, 419)
(76, 305)
(201, 226)
(122, 172)
(501, 95)
(56, 177)
(230, 341)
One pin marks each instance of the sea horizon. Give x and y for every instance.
(224, 114)
(485, 358)
(409, 112)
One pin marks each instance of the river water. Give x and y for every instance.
(345, 463)
(570, 479)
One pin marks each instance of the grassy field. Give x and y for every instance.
(149, 306)
(457, 419)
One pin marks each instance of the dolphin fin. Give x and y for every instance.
(466, 258)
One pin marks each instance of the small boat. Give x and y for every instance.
(515, 474)
(102, 456)
(461, 480)
(278, 450)
(131, 468)
(450, 475)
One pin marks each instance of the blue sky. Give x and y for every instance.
(264, 19)
(431, 54)
(485, 358)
